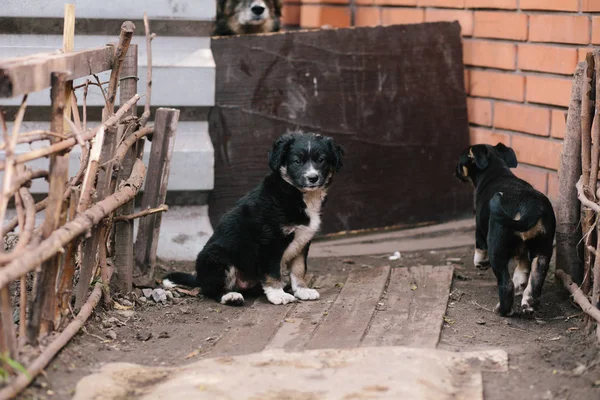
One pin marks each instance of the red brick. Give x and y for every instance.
(507, 4)
(548, 90)
(554, 5)
(487, 136)
(537, 178)
(552, 186)
(558, 124)
(500, 25)
(391, 16)
(466, 74)
(498, 85)
(590, 5)
(464, 17)
(442, 3)
(484, 53)
(367, 16)
(559, 28)
(396, 2)
(537, 151)
(480, 111)
(536, 57)
(315, 16)
(522, 118)
(582, 53)
(325, 1)
(596, 30)
(291, 15)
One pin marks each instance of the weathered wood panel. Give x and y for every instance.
(392, 96)
(413, 308)
(349, 317)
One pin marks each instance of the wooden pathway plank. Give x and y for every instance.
(351, 312)
(303, 320)
(415, 305)
(252, 330)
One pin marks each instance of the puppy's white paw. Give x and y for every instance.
(520, 280)
(167, 284)
(481, 260)
(306, 294)
(278, 296)
(232, 299)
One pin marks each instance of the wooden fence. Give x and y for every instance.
(48, 269)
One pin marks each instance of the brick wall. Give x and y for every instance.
(519, 57)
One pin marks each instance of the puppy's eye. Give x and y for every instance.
(297, 161)
(321, 160)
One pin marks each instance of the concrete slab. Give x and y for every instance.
(183, 233)
(361, 373)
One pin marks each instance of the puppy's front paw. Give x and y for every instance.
(233, 299)
(481, 260)
(503, 313)
(306, 294)
(278, 296)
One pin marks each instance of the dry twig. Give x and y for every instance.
(159, 209)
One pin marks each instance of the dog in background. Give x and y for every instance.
(513, 220)
(271, 228)
(239, 17)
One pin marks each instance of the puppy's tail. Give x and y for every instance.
(497, 212)
(180, 278)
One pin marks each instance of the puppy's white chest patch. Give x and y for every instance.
(304, 233)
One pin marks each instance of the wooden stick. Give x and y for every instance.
(8, 343)
(25, 236)
(12, 224)
(568, 233)
(584, 199)
(587, 107)
(127, 30)
(155, 191)
(73, 229)
(65, 285)
(123, 252)
(579, 297)
(23, 380)
(68, 144)
(149, 211)
(593, 182)
(128, 143)
(41, 316)
(28, 74)
(149, 37)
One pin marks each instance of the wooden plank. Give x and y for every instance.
(392, 96)
(414, 308)
(252, 330)
(41, 318)
(190, 10)
(30, 74)
(349, 317)
(155, 190)
(123, 280)
(302, 321)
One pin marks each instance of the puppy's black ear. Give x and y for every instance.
(221, 7)
(508, 155)
(338, 154)
(278, 6)
(479, 154)
(277, 153)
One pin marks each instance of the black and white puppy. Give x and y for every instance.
(512, 220)
(271, 228)
(239, 17)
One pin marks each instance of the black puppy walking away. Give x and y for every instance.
(513, 220)
(271, 228)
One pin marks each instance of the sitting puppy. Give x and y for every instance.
(271, 228)
(238, 17)
(512, 220)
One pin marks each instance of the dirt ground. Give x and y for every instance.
(550, 357)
